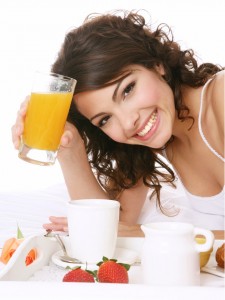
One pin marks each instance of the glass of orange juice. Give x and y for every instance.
(46, 116)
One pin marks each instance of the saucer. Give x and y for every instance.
(122, 255)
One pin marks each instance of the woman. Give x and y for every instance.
(139, 97)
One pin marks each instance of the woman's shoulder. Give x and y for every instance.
(215, 95)
(218, 92)
(219, 80)
(213, 103)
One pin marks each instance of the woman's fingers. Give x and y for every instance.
(66, 138)
(71, 137)
(18, 127)
(55, 227)
(57, 224)
(58, 220)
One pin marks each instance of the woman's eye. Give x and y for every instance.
(103, 121)
(128, 89)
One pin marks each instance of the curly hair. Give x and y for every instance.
(96, 54)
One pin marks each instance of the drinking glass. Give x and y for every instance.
(46, 115)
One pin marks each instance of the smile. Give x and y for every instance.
(149, 125)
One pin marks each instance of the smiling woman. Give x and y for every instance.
(132, 126)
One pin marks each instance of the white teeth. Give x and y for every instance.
(149, 125)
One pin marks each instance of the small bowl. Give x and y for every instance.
(204, 256)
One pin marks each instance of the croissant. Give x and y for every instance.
(220, 256)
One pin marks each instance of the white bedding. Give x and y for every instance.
(30, 210)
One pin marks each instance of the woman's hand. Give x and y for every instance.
(69, 140)
(56, 224)
(124, 229)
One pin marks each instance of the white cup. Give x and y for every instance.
(170, 255)
(93, 226)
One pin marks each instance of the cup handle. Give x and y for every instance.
(209, 236)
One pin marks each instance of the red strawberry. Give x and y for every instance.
(112, 272)
(79, 275)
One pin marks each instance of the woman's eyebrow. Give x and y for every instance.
(119, 82)
(96, 116)
(116, 89)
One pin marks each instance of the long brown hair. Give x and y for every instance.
(95, 54)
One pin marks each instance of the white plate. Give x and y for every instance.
(212, 267)
(16, 268)
(122, 255)
(214, 270)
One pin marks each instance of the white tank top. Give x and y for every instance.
(181, 206)
(206, 212)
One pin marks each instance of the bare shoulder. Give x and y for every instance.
(218, 84)
(217, 98)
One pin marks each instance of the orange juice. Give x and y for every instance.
(45, 120)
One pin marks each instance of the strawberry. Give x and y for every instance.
(112, 272)
(79, 275)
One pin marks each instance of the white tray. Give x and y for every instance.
(42, 269)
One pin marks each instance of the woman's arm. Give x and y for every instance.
(80, 180)
(131, 202)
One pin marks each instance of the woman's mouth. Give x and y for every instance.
(149, 125)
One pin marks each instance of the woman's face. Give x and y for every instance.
(138, 109)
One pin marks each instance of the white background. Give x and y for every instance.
(31, 33)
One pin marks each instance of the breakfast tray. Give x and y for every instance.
(44, 268)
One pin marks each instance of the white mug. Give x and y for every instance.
(170, 254)
(93, 226)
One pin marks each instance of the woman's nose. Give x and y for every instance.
(129, 121)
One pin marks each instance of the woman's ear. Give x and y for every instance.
(160, 69)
